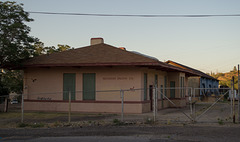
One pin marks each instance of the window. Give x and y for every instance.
(69, 85)
(89, 91)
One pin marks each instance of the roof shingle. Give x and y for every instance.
(199, 73)
(100, 55)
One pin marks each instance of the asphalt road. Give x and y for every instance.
(124, 133)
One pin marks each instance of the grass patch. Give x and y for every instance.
(22, 125)
(9, 115)
(37, 125)
(34, 125)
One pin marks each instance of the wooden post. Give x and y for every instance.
(69, 108)
(122, 96)
(22, 108)
(6, 104)
(154, 104)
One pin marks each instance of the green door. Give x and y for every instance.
(172, 90)
(69, 80)
(89, 86)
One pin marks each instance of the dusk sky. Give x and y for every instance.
(205, 43)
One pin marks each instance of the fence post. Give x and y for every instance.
(233, 94)
(190, 102)
(22, 108)
(155, 103)
(238, 97)
(6, 104)
(122, 96)
(69, 107)
(156, 92)
(193, 105)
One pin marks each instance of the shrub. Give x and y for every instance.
(149, 121)
(37, 125)
(117, 122)
(21, 125)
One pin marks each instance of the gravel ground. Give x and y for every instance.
(172, 125)
(163, 133)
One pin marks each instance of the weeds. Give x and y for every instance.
(220, 121)
(117, 122)
(149, 121)
(22, 125)
(34, 125)
(168, 122)
(57, 124)
(37, 125)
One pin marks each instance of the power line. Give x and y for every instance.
(133, 15)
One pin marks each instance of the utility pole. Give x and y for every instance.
(233, 97)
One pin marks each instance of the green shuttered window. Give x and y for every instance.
(89, 86)
(69, 84)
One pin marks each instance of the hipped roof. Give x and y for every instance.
(199, 73)
(99, 55)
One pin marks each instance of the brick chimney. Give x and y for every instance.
(96, 41)
(123, 48)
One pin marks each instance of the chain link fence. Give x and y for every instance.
(161, 105)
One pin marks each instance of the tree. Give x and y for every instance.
(40, 49)
(63, 47)
(234, 68)
(15, 45)
(15, 42)
(13, 81)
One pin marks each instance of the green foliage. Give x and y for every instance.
(13, 80)
(40, 49)
(225, 78)
(117, 122)
(16, 45)
(220, 121)
(37, 125)
(149, 121)
(15, 42)
(3, 91)
(63, 47)
(21, 125)
(34, 125)
(57, 124)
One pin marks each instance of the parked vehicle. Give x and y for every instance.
(230, 95)
(14, 102)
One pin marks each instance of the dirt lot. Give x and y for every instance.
(171, 124)
(157, 133)
(220, 113)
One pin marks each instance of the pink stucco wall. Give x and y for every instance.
(43, 89)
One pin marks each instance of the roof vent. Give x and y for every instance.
(123, 48)
(96, 41)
